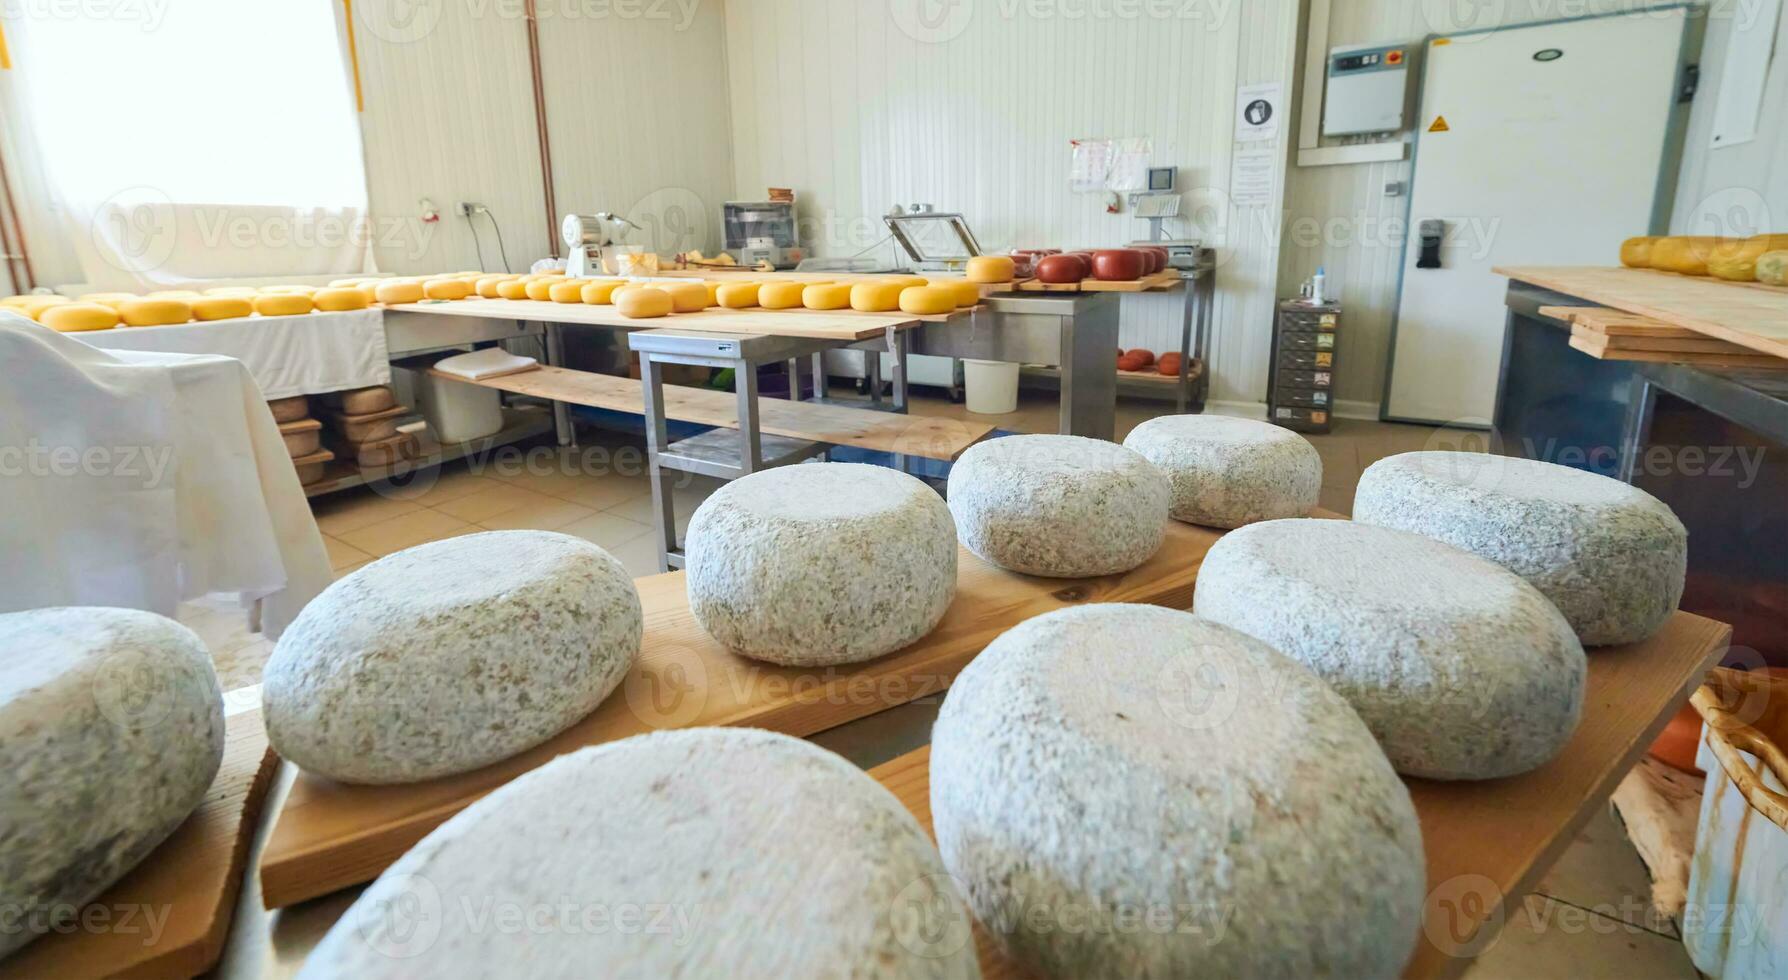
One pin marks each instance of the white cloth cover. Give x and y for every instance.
(309, 354)
(142, 479)
(491, 362)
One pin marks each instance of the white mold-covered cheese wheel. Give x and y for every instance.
(706, 852)
(1227, 472)
(111, 731)
(1061, 506)
(820, 563)
(1610, 556)
(450, 655)
(1119, 796)
(1461, 668)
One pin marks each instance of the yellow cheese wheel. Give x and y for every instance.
(347, 283)
(688, 297)
(1687, 254)
(155, 312)
(446, 289)
(370, 290)
(285, 304)
(991, 268)
(737, 295)
(391, 293)
(513, 289)
(1635, 253)
(965, 293)
(183, 294)
(906, 281)
(827, 296)
(77, 317)
(780, 295)
(231, 291)
(926, 300)
(223, 307)
(14, 302)
(541, 289)
(600, 292)
(566, 291)
(486, 286)
(108, 299)
(642, 301)
(280, 290)
(876, 296)
(36, 305)
(713, 291)
(337, 300)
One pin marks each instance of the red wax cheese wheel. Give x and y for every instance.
(1169, 364)
(1059, 269)
(1117, 264)
(1147, 356)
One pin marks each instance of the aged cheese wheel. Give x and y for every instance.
(875, 296)
(370, 290)
(600, 292)
(79, 317)
(234, 291)
(1772, 267)
(1610, 556)
(1102, 767)
(290, 304)
(186, 295)
(1147, 356)
(714, 291)
(111, 731)
(642, 301)
(965, 293)
(486, 286)
(1686, 254)
(687, 297)
(567, 291)
(391, 293)
(1737, 260)
(737, 295)
(154, 312)
(364, 401)
(1227, 472)
(337, 300)
(34, 306)
(450, 656)
(1062, 506)
(781, 295)
(990, 268)
(513, 289)
(821, 563)
(1461, 669)
(926, 300)
(1118, 264)
(222, 307)
(289, 409)
(706, 852)
(446, 289)
(827, 296)
(541, 289)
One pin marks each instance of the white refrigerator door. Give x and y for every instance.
(1537, 145)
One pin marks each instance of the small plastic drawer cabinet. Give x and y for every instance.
(1301, 376)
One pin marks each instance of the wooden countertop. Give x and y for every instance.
(1751, 315)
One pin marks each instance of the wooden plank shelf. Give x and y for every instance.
(1755, 319)
(844, 326)
(912, 435)
(1615, 335)
(1488, 842)
(1161, 281)
(330, 835)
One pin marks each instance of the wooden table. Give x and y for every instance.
(1746, 314)
(843, 326)
(1488, 843)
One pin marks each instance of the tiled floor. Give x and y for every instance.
(1588, 918)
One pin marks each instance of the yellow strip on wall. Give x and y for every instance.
(5, 59)
(347, 8)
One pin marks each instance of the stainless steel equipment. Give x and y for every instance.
(936, 240)
(761, 231)
(586, 235)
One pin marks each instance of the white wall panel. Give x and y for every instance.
(856, 112)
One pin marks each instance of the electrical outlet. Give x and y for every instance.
(469, 208)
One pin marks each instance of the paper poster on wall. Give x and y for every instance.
(1129, 164)
(1257, 112)
(1251, 178)
(1109, 165)
(1090, 165)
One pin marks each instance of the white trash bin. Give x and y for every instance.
(458, 411)
(990, 387)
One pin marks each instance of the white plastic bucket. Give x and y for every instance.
(990, 387)
(458, 411)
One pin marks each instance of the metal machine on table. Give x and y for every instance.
(588, 236)
(761, 231)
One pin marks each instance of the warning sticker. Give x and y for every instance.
(1440, 125)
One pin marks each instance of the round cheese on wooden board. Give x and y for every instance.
(706, 852)
(1226, 472)
(111, 731)
(450, 655)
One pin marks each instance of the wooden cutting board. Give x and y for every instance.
(169, 916)
(847, 326)
(1488, 843)
(1753, 318)
(331, 835)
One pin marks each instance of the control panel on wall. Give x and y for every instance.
(1367, 89)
